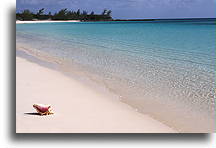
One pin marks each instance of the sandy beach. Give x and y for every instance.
(45, 21)
(78, 108)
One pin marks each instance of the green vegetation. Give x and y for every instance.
(64, 14)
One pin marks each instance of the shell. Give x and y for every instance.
(43, 109)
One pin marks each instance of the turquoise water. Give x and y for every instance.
(163, 68)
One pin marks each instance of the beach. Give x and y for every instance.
(78, 107)
(44, 21)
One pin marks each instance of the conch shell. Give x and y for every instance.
(43, 109)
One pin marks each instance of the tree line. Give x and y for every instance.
(64, 14)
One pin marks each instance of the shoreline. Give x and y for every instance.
(103, 110)
(114, 20)
(45, 21)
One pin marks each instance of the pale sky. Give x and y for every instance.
(130, 9)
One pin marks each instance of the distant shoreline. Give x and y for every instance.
(163, 19)
(114, 20)
(44, 21)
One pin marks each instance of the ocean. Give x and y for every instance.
(162, 68)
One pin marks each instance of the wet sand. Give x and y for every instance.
(78, 107)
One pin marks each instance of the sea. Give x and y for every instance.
(162, 68)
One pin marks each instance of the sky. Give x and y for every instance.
(129, 9)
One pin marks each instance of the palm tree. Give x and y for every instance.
(104, 12)
(109, 13)
(27, 15)
(78, 12)
(92, 13)
(41, 11)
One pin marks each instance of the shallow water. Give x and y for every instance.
(164, 68)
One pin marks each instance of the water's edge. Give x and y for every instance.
(76, 73)
(175, 119)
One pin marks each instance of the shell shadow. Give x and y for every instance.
(33, 114)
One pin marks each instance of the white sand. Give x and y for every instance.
(78, 107)
(45, 21)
